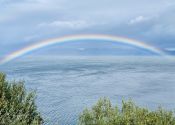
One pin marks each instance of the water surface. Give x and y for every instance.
(66, 85)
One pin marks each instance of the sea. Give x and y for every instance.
(65, 85)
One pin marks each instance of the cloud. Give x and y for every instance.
(138, 19)
(161, 25)
(75, 24)
(170, 49)
(81, 49)
(32, 37)
(33, 20)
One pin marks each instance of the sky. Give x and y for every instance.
(24, 22)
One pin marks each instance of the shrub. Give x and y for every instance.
(17, 107)
(130, 114)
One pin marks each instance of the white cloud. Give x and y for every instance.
(76, 24)
(138, 19)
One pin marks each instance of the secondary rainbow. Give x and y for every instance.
(71, 38)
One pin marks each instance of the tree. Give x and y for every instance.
(17, 107)
(104, 114)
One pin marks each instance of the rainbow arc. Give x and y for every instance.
(71, 38)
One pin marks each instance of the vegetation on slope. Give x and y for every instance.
(130, 114)
(16, 106)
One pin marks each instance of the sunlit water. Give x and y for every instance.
(66, 85)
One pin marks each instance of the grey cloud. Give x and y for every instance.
(31, 20)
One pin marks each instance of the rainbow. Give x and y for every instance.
(70, 38)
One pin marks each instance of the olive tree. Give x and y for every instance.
(103, 113)
(17, 107)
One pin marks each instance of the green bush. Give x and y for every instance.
(16, 106)
(104, 114)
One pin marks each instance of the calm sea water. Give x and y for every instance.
(66, 85)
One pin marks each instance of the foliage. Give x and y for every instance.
(130, 114)
(17, 107)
